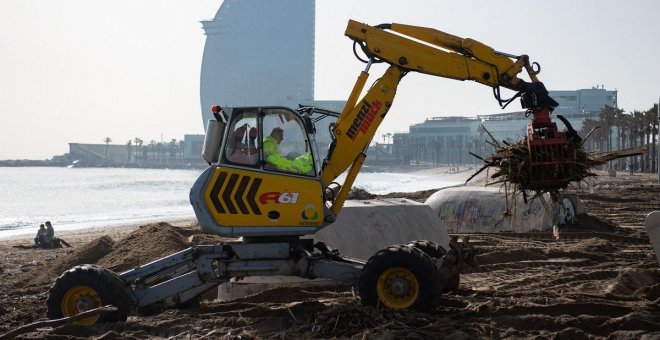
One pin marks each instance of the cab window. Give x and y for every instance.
(242, 146)
(285, 143)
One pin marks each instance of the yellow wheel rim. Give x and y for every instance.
(397, 288)
(79, 299)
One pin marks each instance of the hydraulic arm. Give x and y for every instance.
(410, 48)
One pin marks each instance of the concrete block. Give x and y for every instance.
(367, 226)
(467, 209)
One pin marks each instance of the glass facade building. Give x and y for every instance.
(260, 52)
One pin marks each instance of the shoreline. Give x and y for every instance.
(115, 231)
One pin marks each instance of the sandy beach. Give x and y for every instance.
(600, 279)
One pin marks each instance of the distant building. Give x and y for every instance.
(152, 155)
(192, 148)
(98, 154)
(583, 101)
(260, 52)
(447, 140)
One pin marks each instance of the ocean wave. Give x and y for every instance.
(143, 184)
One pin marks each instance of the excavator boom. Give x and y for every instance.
(419, 49)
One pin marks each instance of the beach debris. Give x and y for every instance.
(52, 323)
(572, 163)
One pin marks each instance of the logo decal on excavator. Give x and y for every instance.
(364, 118)
(279, 197)
(222, 197)
(309, 213)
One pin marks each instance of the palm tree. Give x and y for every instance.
(152, 147)
(638, 135)
(608, 116)
(107, 141)
(160, 150)
(129, 148)
(622, 121)
(647, 137)
(173, 149)
(587, 126)
(653, 114)
(138, 146)
(649, 126)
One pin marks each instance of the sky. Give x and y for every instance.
(82, 70)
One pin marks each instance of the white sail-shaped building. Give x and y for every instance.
(260, 52)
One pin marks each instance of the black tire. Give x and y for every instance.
(449, 273)
(430, 248)
(407, 268)
(86, 287)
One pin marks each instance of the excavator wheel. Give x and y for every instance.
(86, 287)
(449, 274)
(399, 277)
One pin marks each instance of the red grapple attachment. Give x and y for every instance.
(548, 153)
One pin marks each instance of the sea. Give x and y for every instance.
(78, 198)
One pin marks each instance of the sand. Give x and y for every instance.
(600, 279)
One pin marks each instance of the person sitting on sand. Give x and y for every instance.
(41, 236)
(46, 239)
(50, 233)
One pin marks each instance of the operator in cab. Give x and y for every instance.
(301, 164)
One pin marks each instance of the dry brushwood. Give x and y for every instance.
(57, 322)
(513, 167)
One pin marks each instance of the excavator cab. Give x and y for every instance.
(243, 145)
(263, 178)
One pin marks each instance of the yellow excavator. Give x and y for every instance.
(268, 184)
